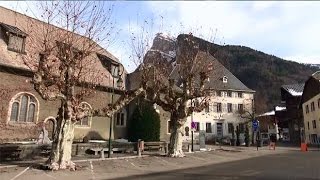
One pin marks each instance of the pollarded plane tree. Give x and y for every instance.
(66, 66)
(173, 81)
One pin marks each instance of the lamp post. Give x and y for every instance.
(119, 84)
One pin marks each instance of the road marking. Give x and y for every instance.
(20, 173)
(49, 175)
(91, 169)
(41, 171)
(167, 162)
(198, 158)
(132, 164)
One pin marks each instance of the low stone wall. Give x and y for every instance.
(17, 151)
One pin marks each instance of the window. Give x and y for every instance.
(197, 126)
(170, 127)
(230, 128)
(312, 106)
(314, 124)
(86, 107)
(24, 108)
(239, 94)
(16, 43)
(207, 109)
(208, 128)
(219, 108)
(314, 138)
(229, 94)
(111, 65)
(220, 93)
(240, 107)
(115, 70)
(307, 109)
(15, 38)
(120, 119)
(308, 126)
(225, 79)
(229, 107)
(219, 130)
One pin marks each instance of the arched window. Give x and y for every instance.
(86, 120)
(24, 108)
(120, 118)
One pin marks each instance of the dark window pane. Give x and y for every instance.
(208, 128)
(230, 128)
(14, 112)
(197, 126)
(85, 121)
(229, 107)
(16, 43)
(118, 119)
(122, 119)
(219, 107)
(31, 111)
(23, 108)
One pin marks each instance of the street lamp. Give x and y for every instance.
(119, 85)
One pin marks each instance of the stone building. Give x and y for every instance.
(22, 110)
(228, 96)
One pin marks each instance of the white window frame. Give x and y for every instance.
(13, 100)
(225, 79)
(89, 118)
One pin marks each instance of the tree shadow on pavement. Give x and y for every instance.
(292, 165)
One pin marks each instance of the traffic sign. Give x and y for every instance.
(193, 125)
(255, 124)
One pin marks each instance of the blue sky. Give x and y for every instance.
(286, 29)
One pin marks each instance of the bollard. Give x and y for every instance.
(140, 147)
(304, 147)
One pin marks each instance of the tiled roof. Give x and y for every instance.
(294, 89)
(215, 78)
(216, 75)
(14, 22)
(13, 29)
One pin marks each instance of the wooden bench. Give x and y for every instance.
(158, 145)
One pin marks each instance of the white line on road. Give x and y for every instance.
(41, 171)
(202, 159)
(20, 173)
(167, 162)
(49, 175)
(132, 164)
(91, 169)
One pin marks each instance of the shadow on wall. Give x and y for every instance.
(92, 135)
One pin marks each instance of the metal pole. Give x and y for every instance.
(111, 119)
(191, 128)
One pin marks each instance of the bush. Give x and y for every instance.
(144, 123)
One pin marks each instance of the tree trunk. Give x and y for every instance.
(175, 146)
(60, 157)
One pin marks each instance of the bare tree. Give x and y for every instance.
(66, 66)
(172, 79)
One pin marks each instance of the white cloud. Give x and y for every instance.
(262, 5)
(284, 29)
